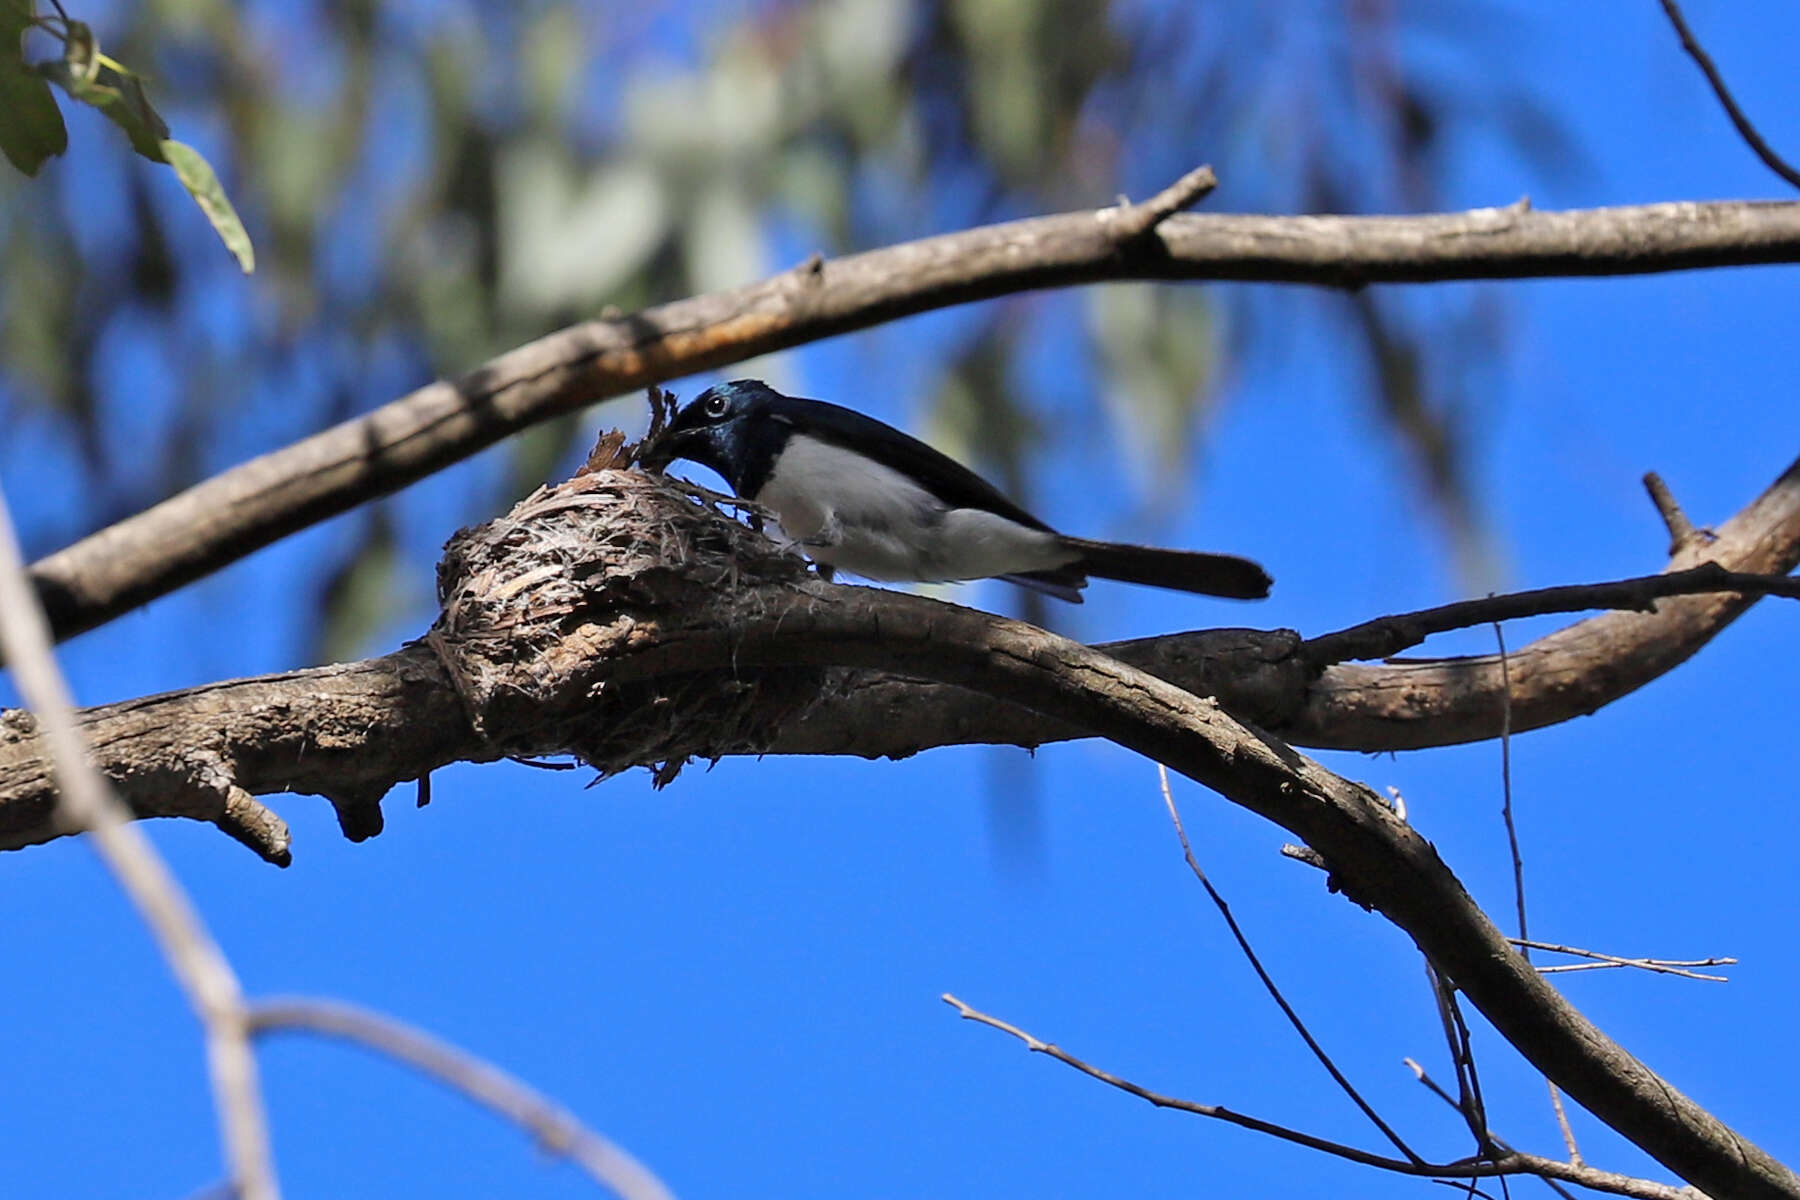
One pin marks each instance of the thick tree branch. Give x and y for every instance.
(1375, 858)
(351, 731)
(249, 506)
(1270, 677)
(612, 618)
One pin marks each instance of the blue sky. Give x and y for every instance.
(737, 977)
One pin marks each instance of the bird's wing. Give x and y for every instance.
(937, 473)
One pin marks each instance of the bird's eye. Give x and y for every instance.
(717, 407)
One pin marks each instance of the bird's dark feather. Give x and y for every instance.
(939, 474)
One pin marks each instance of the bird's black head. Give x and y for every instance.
(717, 429)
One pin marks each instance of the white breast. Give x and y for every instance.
(871, 520)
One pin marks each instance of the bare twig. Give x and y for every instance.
(1384, 637)
(1462, 1058)
(1506, 801)
(1268, 982)
(1504, 1164)
(1660, 966)
(206, 977)
(1499, 1142)
(1518, 860)
(1682, 533)
(1562, 1122)
(554, 1129)
(1745, 129)
(1615, 960)
(1133, 221)
(1566, 968)
(224, 518)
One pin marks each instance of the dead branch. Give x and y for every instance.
(554, 1129)
(224, 518)
(87, 803)
(1268, 981)
(350, 732)
(1270, 678)
(1498, 1142)
(616, 619)
(1716, 81)
(1599, 961)
(1504, 1162)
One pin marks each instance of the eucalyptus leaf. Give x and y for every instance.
(31, 126)
(119, 96)
(94, 79)
(32, 129)
(197, 176)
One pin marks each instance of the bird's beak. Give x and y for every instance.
(663, 451)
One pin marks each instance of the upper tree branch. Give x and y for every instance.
(249, 506)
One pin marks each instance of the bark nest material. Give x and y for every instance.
(582, 573)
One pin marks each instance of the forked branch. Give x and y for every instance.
(1505, 1162)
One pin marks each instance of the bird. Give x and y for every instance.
(859, 496)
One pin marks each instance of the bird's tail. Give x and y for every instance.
(1183, 570)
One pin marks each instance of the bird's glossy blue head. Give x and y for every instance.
(720, 429)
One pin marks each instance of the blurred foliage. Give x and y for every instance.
(429, 185)
(33, 132)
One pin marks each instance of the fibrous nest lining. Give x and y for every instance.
(536, 603)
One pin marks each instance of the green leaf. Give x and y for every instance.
(120, 96)
(31, 126)
(31, 130)
(197, 177)
(115, 90)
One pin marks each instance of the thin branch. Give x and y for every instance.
(1384, 637)
(1682, 533)
(1558, 948)
(1510, 1163)
(1498, 1142)
(1745, 129)
(229, 516)
(1518, 859)
(1567, 968)
(1462, 1058)
(1660, 966)
(553, 1128)
(1268, 982)
(1506, 801)
(1255, 1124)
(1406, 705)
(87, 802)
(1131, 222)
(1562, 1122)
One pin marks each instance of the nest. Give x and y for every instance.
(538, 603)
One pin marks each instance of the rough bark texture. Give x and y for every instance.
(232, 514)
(1271, 677)
(350, 732)
(616, 619)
